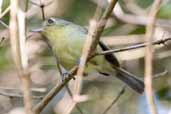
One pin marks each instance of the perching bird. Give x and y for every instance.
(67, 39)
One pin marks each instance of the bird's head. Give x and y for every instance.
(52, 27)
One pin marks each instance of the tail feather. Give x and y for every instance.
(131, 80)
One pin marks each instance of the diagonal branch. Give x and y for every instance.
(100, 25)
(121, 92)
(54, 91)
(5, 12)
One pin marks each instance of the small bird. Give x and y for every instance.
(67, 39)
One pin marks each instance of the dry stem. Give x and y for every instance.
(162, 41)
(149, 56)
(17, 38)
(121, 92)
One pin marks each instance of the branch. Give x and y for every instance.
(18, 95)
(91, 42)
(42, 6)
(17, 38)
(149, 56)
(161, 74)
(122, 91)
(54, 91)
(100, 26)
(38, 90)
(137, 19)
(162, 41)
(4, 24)
(5, 12)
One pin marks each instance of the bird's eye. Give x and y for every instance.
(50, 21)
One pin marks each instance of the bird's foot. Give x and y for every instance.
(65, 75)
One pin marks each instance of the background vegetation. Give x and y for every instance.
(125, 27)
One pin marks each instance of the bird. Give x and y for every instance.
(67, 39)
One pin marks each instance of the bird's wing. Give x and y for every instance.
(109, 57)
(130, 79)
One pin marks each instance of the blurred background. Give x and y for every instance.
(125, 27)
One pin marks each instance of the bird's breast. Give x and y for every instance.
(68, 53)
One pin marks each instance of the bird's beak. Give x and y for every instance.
(35, 33)
(38, 30)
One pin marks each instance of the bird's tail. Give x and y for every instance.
(133, 82)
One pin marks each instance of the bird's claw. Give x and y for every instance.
(65, 75)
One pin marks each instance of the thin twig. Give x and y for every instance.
(121, 16)
(83, 59)
(100, 25)
(162, 41)
(25, 77)
(18, 95)
(91, 42)
(42, 9)
(5, 12)
(85, 53)
(39, 90)
(161, 74)
(14, 34)
(137, 19)
(71, 95)
(121, 92)
(96, 36)
(4, 24)
(42, 6)
(149, 56)
(58, 87)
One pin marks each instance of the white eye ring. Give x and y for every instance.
(50, 21)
